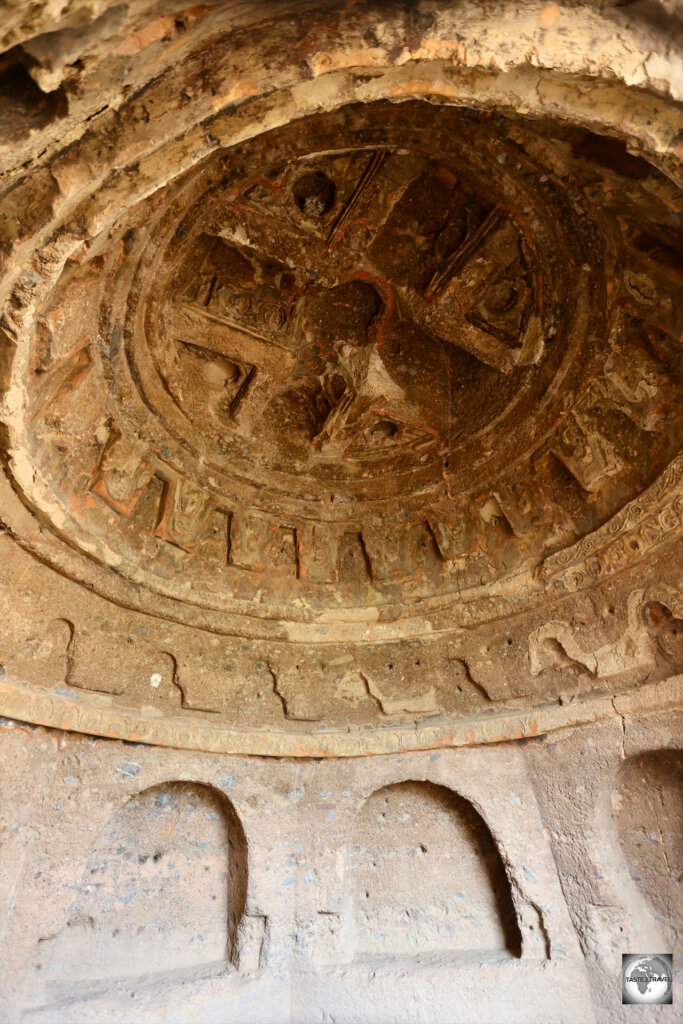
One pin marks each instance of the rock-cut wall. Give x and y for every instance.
(341, 427)
(499, 883)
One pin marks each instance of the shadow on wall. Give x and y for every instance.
(24, 107)
(164, 887)
(647, 804)
(426, 877)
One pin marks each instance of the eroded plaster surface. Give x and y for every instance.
(340, 405)
(153, 884)
(315, 376)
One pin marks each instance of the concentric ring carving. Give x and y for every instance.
(330, 370)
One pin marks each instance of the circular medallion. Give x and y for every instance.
(345, 431)
(370, 360)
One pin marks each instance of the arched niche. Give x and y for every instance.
(163, 887)
(647, 805)
(426, 877)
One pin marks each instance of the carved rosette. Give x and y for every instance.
(371, 418)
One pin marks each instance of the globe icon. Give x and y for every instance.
(648, 979)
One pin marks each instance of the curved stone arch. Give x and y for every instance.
(616, 896)
(163, 886)
(421, 912)
(402, 81)
(532, 918)
(505, 665)
(91, 188)
(647, 814)
(543, 932)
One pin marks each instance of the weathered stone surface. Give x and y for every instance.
(330, 385)
(455, 882)
(340, 408)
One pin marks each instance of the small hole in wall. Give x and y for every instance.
(314, 193)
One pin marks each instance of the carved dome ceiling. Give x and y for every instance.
(356, 421)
